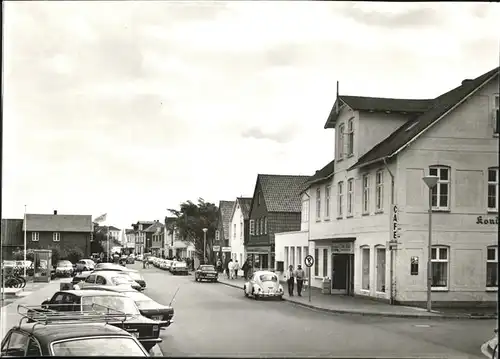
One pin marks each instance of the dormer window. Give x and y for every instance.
(340, 141)
(350, 137)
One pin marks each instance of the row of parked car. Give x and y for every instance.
(174, 266)
(113, 314)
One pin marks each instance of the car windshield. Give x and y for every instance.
(121, 279)
(122, 304)
(207, 268)
(268, 278)
(64, 264)
(99, 346)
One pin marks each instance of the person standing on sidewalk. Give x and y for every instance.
(290, 280)
(230, 266)
(245, 269)
(236, 269)
(300, 274)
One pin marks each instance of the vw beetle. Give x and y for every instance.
(263, 284)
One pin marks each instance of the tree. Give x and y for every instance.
(73, 255)
(191, 218)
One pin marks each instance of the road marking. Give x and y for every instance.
(422, 325)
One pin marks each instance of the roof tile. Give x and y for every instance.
(282, 192)
(58, 222)
(226, 208)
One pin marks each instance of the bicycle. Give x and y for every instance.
(14, 282)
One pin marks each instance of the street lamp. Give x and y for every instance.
(204, 244)
(431, 182)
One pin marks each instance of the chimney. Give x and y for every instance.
(55, 212)
(466, 81)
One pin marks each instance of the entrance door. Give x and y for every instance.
(340, 268)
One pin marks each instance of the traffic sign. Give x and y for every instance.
(309, 260)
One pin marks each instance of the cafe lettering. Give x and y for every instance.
(481, 220)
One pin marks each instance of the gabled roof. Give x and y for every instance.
(156, 226)
(244, 203)
(113, 228)
(378, 104)
(58, 223)
(323, 174)
(405, 134)
(129, 231)
(281, 193)
(225, 208)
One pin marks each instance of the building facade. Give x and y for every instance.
(275, 208)
(239, 228)
(140, 236)
(155, 236)
(369, 222)
(222, 242)
(12, 237)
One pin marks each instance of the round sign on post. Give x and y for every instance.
(309, 260)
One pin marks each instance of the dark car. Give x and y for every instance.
(145, 329)
(206, 272)
(64, 338)
(149, 308)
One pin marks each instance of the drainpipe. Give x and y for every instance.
(391, 248)
(308, 245)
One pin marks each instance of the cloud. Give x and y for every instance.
(283, 135)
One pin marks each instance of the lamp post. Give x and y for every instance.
(204, 244)
(431, 182)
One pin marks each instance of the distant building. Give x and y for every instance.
(222, 232)
(239, 228)
(140, 236)
(155, 235)
(12, 237)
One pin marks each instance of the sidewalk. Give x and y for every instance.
(33, 294)
(343, 304)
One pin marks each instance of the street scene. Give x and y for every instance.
(243, 179)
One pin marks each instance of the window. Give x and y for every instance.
(56, 237)
(439, 263)
(299, 255)
(35, 236)
(18, 341)
(327, 201)
(140, 227)
(366, 194)
(492, 267)
(350, 137)
(325, 262)
(350, 196)
(305, 211)
(261, 226)
(258, 199)
(241, 230)
(379, 191)
(265, 225)
(252, 229)
(286, 259)
(33, 349)
(340, 196)
(316, 266)
(292, 256)
(380, 270)
(365, 263)
(441, 191)
(217, 232)
(340, 148)
(318, 204)
(493, 189)
(234, 230)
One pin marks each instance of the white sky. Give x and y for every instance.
(130, 107)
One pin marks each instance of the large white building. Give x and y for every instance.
(239, 229)
(368, 211)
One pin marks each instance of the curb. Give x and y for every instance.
(380, 314)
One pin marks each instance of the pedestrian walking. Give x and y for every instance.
(245, 269)
(219, 266)
(230, 267)
(226, 269)
(300, 274)
(290, 280)
(236, 269)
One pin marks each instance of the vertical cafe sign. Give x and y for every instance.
(395, 224)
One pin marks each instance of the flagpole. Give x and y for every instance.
(25, 228)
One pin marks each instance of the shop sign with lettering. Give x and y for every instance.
(226, 249)
(395, 223)
(484, 220)
(343, 247)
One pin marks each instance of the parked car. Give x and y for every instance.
(490, 348)
(131, 259)
(206, 272)
(80, 277)
(85, 265)
(263, 284)
(64, 268)
(179, 268)
(110, 278)
(139, 257)
(51, 336)
(83, 301)
(102, 266)
(132, 273)
(149, 308)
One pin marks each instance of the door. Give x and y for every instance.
(340, 263)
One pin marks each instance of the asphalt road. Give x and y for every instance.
(213, 319)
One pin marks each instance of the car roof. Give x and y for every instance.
(91, 293)
(260, 272)
(117, 289)
(58, 331)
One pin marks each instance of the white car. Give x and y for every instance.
(178, 268)
(138, 257)
(263, 284)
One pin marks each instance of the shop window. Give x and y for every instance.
(365, 264)
(316, 264)
(492, 267)
(439, 262)
(325, 262)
